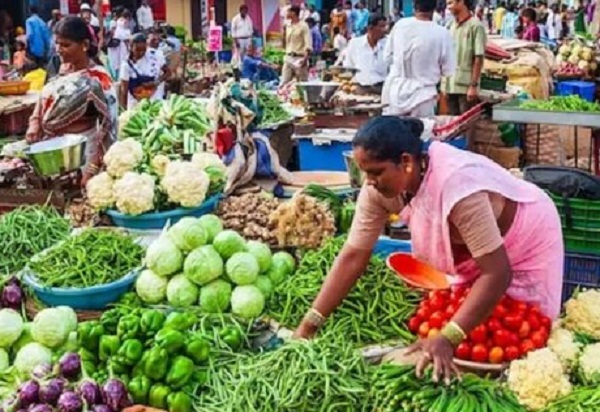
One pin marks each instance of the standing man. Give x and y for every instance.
(316, 16)
(350, 18)
(362, 19)
(242, 30)
(38, 36)
(499, 16)
(53, 20)
(316, 38)
(144, 15)
(462, 89)
(86, 13)
(298, 48)
(420, 52)
(553, 23)
(366, 54)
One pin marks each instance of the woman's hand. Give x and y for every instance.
(304, 331)
(436, 350)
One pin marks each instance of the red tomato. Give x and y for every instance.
(520, 307)
(479, 353)
(424, 304)
(424, 329)
(437, 303)
(479, 334)
(511, 353)
(424, 313)
(496, 355)
(535, 309)
(450, 310)
(514, 339)
(440, 294)
(463, 351)
(546, 322)
(538, 339)
(513, 321)
(534, 321)
(544, 332)
(436, 320)
(413, 324)
(494, 324)
(527, 346)
(506, 301)
(499, 312)
(524, 330)
(502, 338)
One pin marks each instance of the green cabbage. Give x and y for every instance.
(215, 297)
(242, 268)
(203, 265)
(286, 259)
(150, 287)
(229, 242)
(163, 257)
(71, 317)
(188, 234)
(4, 363)
(30, 356)
(11, 326)
(50, 328)
(24, 339)
(262, 253)
(212, 225)
(282, 266)
(247, 301)
(181, 292)
(265, 285)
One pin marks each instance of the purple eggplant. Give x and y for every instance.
(101, 408)
(89, 392)
(40, 407)
(115, 395)
(50, 392)
(70, 365)
(29, 393)
(12, 295)
(69, 402)
(42, 370)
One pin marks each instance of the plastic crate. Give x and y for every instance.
(385, 246)
(585, 90)
(583, 213)
(497, 84)
(582, 240)
(581, 271)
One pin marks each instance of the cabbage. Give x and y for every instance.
(282, 266)
(203, 265)
(150, 287)
(11, 326)
(50, 328)
(247, 301)
(215, 297)
(24, 339)
(181, 293)
(30, 356)
(229, 242)
(242, 268)
(163, 257)
(265, 285)
(188, 234)
(287, 259)
(71, 317)
(4, 364)
(71, 345)
(212, 225)
(262, 253)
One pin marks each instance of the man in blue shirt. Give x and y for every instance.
(315, 34)
(362, 19)
(256, 69)
(38, 36)
(172, 40)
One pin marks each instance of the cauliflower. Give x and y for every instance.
(204, 160)
(589, 363)
(159, 164)
(538, 379)
(134, 193)
(573, 59)
(582, 313)
(123, 157)
(100, 191)
(185, 183)
(583, 65)
(562, 342)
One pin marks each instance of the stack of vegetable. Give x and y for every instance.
(343, 211)
(576, 59)
(272, 111)
(196, 262)
(274, 55)
(571, 103)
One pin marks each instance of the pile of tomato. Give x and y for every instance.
(513, 329)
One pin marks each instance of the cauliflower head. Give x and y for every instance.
(134, 193)
(582, 313)
(185, 183)
(100, 191)
(538, 379)
(159, 164)
(204, 160)
(589, 363)
(562, 342)
(122, 157)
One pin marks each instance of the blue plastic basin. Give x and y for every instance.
(385, 246)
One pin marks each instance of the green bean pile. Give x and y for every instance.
(325, 374)
(93, 257)
(375, 311)
(571, 103)
(583, 398)
(26, 231)
(272, 111)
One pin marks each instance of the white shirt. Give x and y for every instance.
(145, 17)
(553, 25)
(340, 42)
(149, 65)
(241, 27)
(316, 17)
(370, 61)
(94, 21)
(304, 14)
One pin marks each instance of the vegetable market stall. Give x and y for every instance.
(15, 112)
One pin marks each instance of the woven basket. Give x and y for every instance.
(14, 88)
(32, 307)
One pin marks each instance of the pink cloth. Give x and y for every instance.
(533, 243)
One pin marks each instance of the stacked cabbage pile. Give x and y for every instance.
(196, 262)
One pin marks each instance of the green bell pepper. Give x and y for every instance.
(139, 389)
(232, 337)
(169, 339)
(157, 398)
(200, 377)
(179, 402)
(118, 365)
(110, 320)
(152, 321)
(157, 363)
(138, 369)
(177, 321)
(180, 372)
(87, 355)
(131, 351)
(128, 327)
(109, 346)
(198, 350)
(89, 334)
(88, 367)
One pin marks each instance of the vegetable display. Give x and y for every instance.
(571, 103)
(575, 58)
(272, 110)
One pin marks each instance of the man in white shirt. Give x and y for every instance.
(316, 16)
(553, 22)
(421, 53)
(242, 30)
(144, 16)
(366, 54)
(85, 10)
(304, 12)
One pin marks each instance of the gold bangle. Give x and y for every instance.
(314, 318)
(454, 333)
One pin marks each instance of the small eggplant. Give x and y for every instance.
(101, 408)
(70, 365)
(115, 395)
(40, 407)
(29, 393)
(89, 392)
(12, 296)
(69, 402)
(50, 392)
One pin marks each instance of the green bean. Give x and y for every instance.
(273, 112)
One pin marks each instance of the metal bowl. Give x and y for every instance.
(357, 176)
(58, 155)
(317, 92)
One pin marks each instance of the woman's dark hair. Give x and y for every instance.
(387, 138)
(425, 6)
(76, 29)
(529, 13)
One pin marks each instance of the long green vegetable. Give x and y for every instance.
(585, 398)
(572, 103)
(93, 257)
(375, 311)
(272, 111)
(26, 231)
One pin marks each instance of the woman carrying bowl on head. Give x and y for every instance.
(468, 216)
(80, 100)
